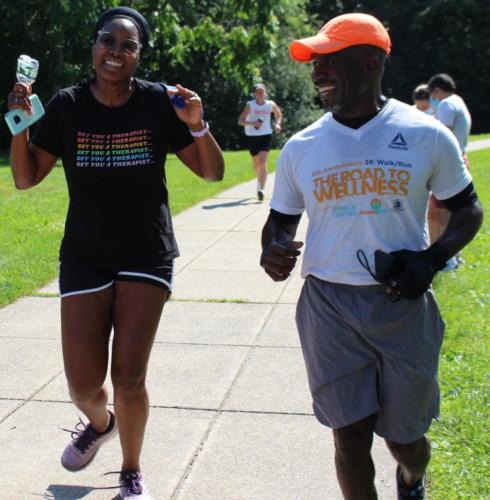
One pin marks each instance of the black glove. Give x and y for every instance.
(416, 270)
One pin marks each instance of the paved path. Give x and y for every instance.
(477, 145)
(231, 417)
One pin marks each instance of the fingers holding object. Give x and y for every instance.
(187, 94)
(19, 97)
(18, 101)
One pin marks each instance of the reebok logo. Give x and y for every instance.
(398, 142)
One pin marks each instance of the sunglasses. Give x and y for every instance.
(109, 41)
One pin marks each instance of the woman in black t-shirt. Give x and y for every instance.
(112, 134)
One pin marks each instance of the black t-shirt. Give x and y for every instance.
(114, 161)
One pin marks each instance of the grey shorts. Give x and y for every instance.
(366, 355)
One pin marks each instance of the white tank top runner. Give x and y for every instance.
(262, 112)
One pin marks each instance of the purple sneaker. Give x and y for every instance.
(85, 444)
(132, 486)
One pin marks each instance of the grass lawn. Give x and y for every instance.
(461, 439)
(477, 137)
(32, 221)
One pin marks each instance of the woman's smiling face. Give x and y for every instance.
(112, 59)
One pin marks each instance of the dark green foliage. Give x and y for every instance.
(429, 37)
(220, 48)
(214, 47)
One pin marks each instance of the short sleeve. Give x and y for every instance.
(446, 113)
(450, 174)
(286, 197)
(49, 132)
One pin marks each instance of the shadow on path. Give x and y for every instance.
(71, 492)
(236, 203)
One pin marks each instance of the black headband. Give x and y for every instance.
(127, 13)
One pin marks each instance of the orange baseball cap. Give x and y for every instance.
(342, 32)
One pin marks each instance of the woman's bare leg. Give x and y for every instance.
(137, 311)
(86, 322)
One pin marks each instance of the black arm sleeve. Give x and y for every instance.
(285, 218)
(464, 198)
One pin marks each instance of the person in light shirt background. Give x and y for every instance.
(421, 99)
(451, 111)
(256, 118)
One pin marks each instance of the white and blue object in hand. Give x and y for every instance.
(17, 119)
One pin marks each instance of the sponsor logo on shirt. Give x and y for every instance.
(376, 208)
(344, 211)
(398, 143)
(397, 206)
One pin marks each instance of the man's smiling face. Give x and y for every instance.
(341, 80)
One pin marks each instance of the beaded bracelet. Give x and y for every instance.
(202, 132)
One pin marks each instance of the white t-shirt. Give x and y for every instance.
(367, 188)
(262, 112)
(429, 111)
(453, 113)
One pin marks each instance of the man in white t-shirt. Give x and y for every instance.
(451, 110)
(256, 119)
(369, 326)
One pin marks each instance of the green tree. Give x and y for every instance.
(220, 48)
(57, 33)
(215, 47)
(288, 82)
(429, 37)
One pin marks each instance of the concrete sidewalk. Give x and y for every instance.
(231, 416)
(477, 145)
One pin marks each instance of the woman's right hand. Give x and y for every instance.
(19, 97)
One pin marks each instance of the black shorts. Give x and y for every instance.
(77, 279)
(258, 143)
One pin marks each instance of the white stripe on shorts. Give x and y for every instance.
(80, 292)
(143, 275)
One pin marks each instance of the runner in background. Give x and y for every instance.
(256, 118)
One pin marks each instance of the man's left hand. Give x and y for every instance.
(417, 270)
